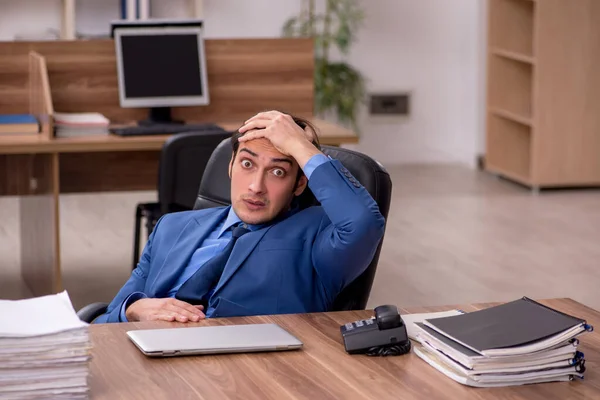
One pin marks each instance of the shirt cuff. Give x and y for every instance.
(132, 298)
(313, 163)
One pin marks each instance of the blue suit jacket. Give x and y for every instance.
(297, 265)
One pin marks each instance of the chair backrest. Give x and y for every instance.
(215, 191)
(182, 162)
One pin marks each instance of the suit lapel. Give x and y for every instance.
(241, 251)
(188, 241)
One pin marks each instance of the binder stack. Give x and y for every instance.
(517, 343)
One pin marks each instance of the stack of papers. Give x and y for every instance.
(80, 124)
(44, 349)
(517, 343)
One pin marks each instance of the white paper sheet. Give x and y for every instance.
(411, 319)
(38, 316)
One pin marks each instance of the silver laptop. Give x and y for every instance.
(213, 340)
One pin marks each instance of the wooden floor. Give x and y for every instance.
(454, 235)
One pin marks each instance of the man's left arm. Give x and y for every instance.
(349, 236)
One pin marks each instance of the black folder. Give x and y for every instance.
(518, 323)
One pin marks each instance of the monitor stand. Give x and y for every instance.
(159, 116)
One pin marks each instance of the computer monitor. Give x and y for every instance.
(160, 67)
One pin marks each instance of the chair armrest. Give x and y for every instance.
(92, 311)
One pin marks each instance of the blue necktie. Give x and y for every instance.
(195, 290)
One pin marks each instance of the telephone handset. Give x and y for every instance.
(384, 334)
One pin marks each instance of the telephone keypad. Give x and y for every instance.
(350, 326)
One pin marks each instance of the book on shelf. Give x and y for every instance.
(80, 124)
(516, 343)
(17, 124)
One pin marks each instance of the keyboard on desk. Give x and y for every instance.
(143, 130)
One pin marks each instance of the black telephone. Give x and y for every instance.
(383, 335)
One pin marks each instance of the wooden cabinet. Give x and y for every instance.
(543, 92)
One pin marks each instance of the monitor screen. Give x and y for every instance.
(161, 67)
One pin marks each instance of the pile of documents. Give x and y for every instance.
(516, 343)
(80, 124)
(44, 349)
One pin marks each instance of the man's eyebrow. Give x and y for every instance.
(284, 160)
(249, 151)
(273, 160)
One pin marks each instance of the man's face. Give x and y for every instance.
(263, 182)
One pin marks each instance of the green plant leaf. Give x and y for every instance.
(289, 28)
(304, 28)
(343, 38)
(338, 87)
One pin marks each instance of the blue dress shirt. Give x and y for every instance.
(214, 243)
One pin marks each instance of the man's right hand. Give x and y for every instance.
(164, 310)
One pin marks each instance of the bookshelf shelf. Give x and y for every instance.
(542, 92)
(510, 144)
(511, 88)
(512, 55)
(498, 112)
(511, 27)
(68, 20)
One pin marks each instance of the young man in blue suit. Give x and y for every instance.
(261, 255)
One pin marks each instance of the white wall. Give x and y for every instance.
(28, 17)
(432, 48)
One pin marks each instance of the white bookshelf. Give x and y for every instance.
(68, 15)
(67, 29)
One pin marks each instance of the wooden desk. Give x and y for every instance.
(330, 134)
(322, 370)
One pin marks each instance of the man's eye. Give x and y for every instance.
(246, 163)
(279, 172)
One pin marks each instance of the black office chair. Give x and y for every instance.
(182, 161)
(215, 191)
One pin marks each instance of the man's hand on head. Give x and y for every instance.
(164, 310)
(285, 135)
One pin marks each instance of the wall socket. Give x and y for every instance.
(389, 104)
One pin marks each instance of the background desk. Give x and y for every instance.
(245, 76)
(39, 170)
(322, 370)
